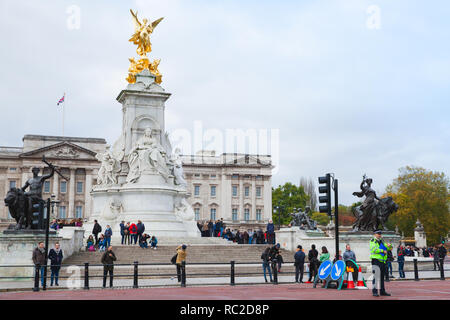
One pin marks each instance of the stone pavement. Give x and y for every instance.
(172, 281)
(400, 290)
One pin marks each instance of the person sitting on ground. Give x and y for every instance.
(143, 241)
(54, 225)
(102, 243)
(90, 244)
(324, 255)
(153, 242)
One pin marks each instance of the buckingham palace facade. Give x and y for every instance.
(235, 187)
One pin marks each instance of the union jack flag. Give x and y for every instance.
(61, 100)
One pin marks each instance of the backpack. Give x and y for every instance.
(174, 259)
(91, 248)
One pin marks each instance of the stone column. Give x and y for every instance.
(241, 198)
(267, 195)
(71, 213)
(87, 194)
(253, 213)
(25, 173)
(56, 185)
(225, 196)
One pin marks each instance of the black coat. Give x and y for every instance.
(108, 260)
(97, 228)
(55, 258)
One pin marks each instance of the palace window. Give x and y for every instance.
(235, 191)
(213, 191)
(79, 187)
(234, 214)
(258, 214)
(12, 184)
(63, 187)
(247, 191)
(46, 186)
(246, 214)
(197, 213)
(62, 212)
(197, 190)
(78, 212)
(213, 214)
(258, 192)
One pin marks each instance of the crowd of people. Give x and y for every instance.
(218, 229)
(61, 223)
(131, 233)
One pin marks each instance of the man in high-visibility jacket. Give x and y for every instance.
(378, 255)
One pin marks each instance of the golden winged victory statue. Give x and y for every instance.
(141, 38)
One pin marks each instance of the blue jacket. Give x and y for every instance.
(122, 226)
(299, 257)
(108, 232)
(140, 228)
(270, 228)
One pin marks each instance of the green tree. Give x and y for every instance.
(289, 196)
(424, 195)
(321, 217)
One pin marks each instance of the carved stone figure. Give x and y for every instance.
(147, 154)
(184, 211)
(109, 169)
(302, 220)
(373, 211)
(178, 168)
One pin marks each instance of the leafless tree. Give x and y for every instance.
(310, 189)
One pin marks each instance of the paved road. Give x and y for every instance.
(400, 290)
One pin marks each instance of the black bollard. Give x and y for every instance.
(275, 272)
(86, 276)
(416, 271)
(36, 278)
(441, 262)
(183, 273)
(135, 276)
(232, 273)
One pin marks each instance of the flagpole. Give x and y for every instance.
(64, 102)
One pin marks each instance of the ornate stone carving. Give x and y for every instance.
(64, 152)
(147, 154)
(178, 168)
(183, 211)
(110, 168)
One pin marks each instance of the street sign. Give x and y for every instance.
(324, 270)
(337, 270)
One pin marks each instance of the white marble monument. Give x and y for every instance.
(141, 178)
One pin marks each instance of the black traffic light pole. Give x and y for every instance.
(47, 227)
(336, 217)
(326, 189)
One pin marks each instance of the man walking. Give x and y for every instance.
(96, 230)
(299, 264)
(378, 255)
(265, 257)
(56, 256)
(181, 256)
(39, 259)
(401, 260)
(108, 259)
(313, 262)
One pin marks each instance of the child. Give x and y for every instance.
(102, 243)
(153, 242)
(90, 243)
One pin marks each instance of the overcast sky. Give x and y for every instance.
(352, 86)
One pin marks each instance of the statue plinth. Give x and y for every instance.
(148, 183)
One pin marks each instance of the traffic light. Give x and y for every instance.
(37, 216)
(326, 191)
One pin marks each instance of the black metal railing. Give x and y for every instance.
(138, 272)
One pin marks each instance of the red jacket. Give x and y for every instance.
(133, 227)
